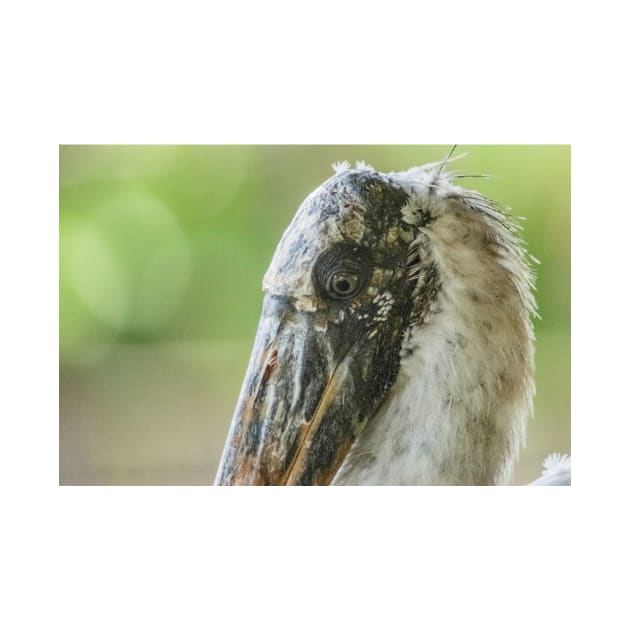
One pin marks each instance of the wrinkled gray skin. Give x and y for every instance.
(321, 364)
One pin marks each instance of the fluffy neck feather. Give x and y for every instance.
(446, 420)
(457, 411)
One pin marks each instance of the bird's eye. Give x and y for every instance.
(342, 272)
(343, 284)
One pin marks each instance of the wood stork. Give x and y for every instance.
(395, 344)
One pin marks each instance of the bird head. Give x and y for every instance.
(370, 263)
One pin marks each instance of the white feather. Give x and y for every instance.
(457, 412)
(556, 471)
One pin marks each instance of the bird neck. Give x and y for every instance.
(453, 416)
(457, 411)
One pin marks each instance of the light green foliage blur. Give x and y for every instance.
(162, 253)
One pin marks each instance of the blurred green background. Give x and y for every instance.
(162, 254)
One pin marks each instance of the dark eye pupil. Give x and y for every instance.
(344, 283)
(342, 286)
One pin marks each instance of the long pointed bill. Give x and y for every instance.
(304, 400)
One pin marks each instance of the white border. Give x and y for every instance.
(392, 557)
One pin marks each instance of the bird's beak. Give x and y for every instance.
(305, 398)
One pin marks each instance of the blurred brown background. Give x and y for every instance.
(162, 253)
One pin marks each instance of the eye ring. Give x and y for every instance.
(343, 284)
(342, 272)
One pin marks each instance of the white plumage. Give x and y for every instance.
(556, 471)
